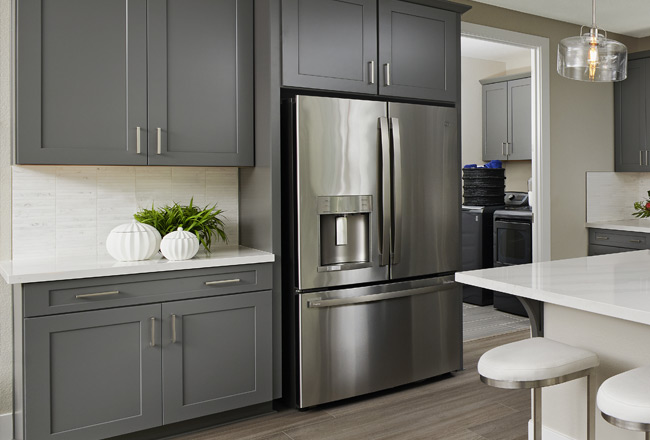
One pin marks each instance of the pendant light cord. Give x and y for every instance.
(593, 14)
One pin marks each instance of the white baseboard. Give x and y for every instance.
(547, 434)
(6, 426)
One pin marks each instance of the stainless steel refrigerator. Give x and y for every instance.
(373, 231)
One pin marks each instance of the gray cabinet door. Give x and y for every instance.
(200, 82)
(92, 374)
(330, 45)
(81, 86)
(519, 120)
(417, 51)
(217, 354)
(631, 118)
(495, 121)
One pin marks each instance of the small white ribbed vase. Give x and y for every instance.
(133, 241)
(179, 245)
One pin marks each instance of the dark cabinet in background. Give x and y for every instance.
(507, 118)
(391, 48)
(607, 241)
(631, 118)
(164, 82)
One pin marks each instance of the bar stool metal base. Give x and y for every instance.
(626, 424)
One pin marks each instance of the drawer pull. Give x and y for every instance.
(601, 238)
(153, 333)
(635, 241)
(173, 328)
(92, 295)
(212, 283)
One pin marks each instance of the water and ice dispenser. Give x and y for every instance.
(344, 232)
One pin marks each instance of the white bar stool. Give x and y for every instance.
(624, 400)
(536, 363)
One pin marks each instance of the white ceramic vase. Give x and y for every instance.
(179, 245)
(133, 241)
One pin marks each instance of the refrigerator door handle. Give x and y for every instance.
(385, 217)
(396, 251)
(322, 303)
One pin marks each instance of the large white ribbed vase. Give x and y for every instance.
(133, 241)
(179, 245)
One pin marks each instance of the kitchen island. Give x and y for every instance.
(601, 303)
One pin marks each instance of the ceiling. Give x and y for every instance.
(628, 17)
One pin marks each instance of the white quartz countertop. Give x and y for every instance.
(616, 285)
(634, 225)
(53, 269)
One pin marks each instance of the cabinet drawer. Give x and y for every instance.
(629, 240)
(56, 297)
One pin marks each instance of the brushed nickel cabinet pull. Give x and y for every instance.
(598, 237)
(641, 158)
(635, 241)
(93, 295)
(212, 283)
(371, 72)
(153, 332)
(137, 140)
(387, 74)
(159, 139)
(646, 157)
(173, 328)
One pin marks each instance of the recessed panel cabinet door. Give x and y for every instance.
(330, 45)
(631, 118)
(417, 51)
(495, 121)
(94, 374)
(201, 82)
(217, 354)
(519, 120)
(81, 82)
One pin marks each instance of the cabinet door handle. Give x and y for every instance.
(640, 158)
(212, 283)
(92, 295)
(646, 157)
(159, 139)
(635, 241)
(152, 343)
(509, 149)
(387, 74)
(503, 149)
(173, 328)
(371, 72)
(598, 237)
(137, 140)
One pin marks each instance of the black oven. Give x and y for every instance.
(513, 244)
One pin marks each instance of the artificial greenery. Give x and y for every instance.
(203, 222)
(642, 208)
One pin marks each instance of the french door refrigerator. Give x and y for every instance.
(373, 227)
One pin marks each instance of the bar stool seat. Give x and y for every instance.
(624, 400)
(536, 363)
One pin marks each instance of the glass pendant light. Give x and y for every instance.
(592, 56)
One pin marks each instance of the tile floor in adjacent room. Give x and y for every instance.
(483, 321)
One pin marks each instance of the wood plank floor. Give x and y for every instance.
(456, 407)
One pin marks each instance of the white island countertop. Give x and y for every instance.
(616, 285)
(632, 225)
(54, 269)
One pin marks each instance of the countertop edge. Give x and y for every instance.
(618, 226)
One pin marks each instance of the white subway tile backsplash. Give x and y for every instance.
(611, 195)
(69, 210)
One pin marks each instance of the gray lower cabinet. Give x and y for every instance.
(116, 82)
(92, 374)
(607, 241)
(95, 362)
(507, 133)
(631, 119)
(391, 48)
(216, 356)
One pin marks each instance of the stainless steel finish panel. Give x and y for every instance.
(355, 248)
(389, 335)
(336, 155)
(430, 190)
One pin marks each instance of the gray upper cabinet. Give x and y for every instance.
(217, 354)
(330, 44)
(158, 82)
(507, 122)
(632, 120)
(417, 51)
(201, 100)
(92, 375)
(74, 66)
(391, 48)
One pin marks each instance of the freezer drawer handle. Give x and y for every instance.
(318, 303)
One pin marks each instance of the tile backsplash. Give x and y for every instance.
(69, 210)
(611, 196)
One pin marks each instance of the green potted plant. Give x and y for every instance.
(203, 222)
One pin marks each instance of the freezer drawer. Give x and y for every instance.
(360, 340)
